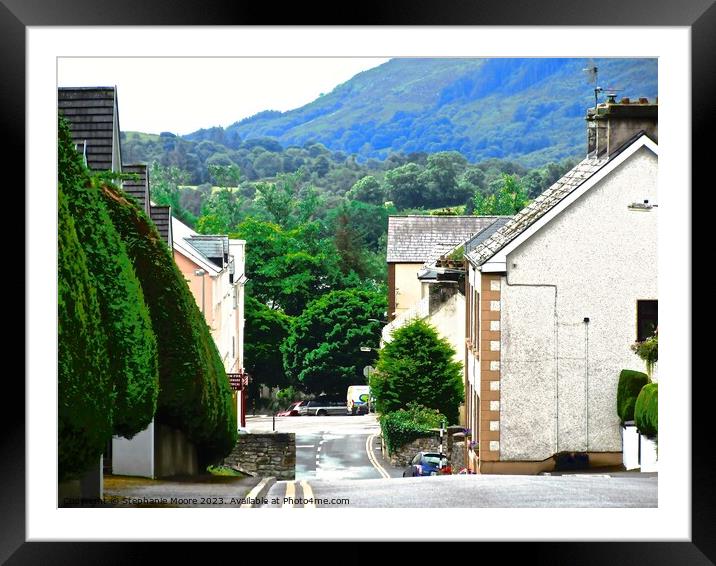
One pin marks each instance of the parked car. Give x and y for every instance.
(323, 406)
(292, 410)
(428, 464)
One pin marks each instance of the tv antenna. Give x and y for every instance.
(592, 74)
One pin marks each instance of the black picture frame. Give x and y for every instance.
(699, 15)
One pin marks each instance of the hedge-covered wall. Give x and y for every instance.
(630, 384)
(125, 320)
(405, 425)
(85, 392)
(646, 411)
(194, 394)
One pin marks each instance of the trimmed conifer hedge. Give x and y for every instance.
(85, 392)
(646, 411)
(630, 384)
(194, 395)
(125, 320)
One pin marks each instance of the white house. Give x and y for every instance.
(557, 296)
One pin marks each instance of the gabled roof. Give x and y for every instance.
(579, 179)
(92, 114)
(417, 239)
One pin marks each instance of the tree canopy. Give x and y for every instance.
(323, 350)
(419, 366)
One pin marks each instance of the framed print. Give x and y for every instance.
(42, 42)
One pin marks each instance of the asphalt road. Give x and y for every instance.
(332, 448)
(583, 490)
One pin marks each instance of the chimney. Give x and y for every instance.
(611, 124)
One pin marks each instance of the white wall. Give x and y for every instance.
(134, 457)
(601, 257)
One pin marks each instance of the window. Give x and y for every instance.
(647, 319)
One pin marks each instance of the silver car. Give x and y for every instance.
(323, 406)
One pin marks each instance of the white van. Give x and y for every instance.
(358, 399)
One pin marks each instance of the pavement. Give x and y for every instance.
(196, 491)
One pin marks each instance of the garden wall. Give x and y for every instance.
(265, 454)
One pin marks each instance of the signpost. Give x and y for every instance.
(240, 382)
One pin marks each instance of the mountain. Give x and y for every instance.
(527, 110)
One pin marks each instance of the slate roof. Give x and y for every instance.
(480, 237)
(535, 210)
(91, 114)
(417, 239)
(214, 248)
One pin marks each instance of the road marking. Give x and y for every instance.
(373, 460)
(290, 493)
(305, 446)
(319, 448)
(254, 492)
(307, 494)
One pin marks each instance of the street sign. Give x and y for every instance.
(367, 370)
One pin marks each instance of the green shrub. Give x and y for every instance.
(403, 426)
(132, 355)
(194, 394)
(630, 384)
(419, 366)
(646, 412)
(84, 388)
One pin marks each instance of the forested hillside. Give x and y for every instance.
(525, 110)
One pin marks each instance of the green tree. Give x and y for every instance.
(289, 267)
(225, 176)
(194, 394)
(323, 349)
(440, 178)
(266, 329)
(368, 190)
(125, 318)
(417, 365)
(404, 186)
(84, 387)
(510, 198)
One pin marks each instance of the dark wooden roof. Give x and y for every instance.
(162, 218)
(92, 114)
(139, 189)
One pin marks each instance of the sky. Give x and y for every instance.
(182, 95)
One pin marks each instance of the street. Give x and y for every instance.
(332, 448)
(339, 464)
(583, 490)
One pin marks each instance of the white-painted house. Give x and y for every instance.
(557, 296)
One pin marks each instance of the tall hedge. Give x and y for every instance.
(630, 384)
(132, 351)
(646, 411)
(85, 393)
(194, 394)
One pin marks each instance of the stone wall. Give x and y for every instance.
(265, 454)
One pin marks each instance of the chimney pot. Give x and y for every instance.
(625, 100)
